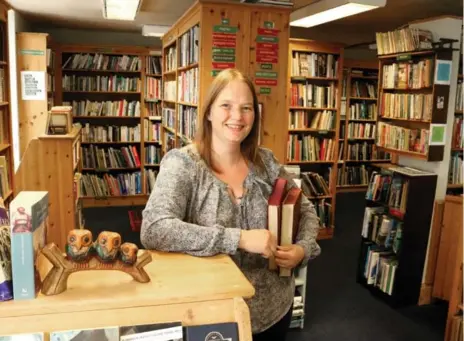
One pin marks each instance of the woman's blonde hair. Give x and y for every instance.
(249, 146)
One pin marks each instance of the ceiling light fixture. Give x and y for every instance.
(329, 10)
(121, 9)
(154, 30)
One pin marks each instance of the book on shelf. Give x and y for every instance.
(103, 158)
(321, 120)
(110, 133)
(6, 288)
(353, 175)
(408, 75)
(111, 185)
(29, 223)
(407, 106)
(88, 334)
(153, 65)
(455, 170)
(310, 148)
(171, 331)
(102, 62)
(312, 64)
(121, 108)
(457, 140)
(113, 83)
(403, 139)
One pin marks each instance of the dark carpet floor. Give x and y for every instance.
(337, 308)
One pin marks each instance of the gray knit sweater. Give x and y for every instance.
(190, 210)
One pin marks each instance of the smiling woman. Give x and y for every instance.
(215, 200)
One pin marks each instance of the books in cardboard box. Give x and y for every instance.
(171, 331)
(93, 334)
(227, 331)
(28, 222)
(6, 289)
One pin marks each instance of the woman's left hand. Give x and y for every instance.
(289, 256)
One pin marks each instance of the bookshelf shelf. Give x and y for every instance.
(393, 73)
(395, 231)
(309, 108)
(359, 116)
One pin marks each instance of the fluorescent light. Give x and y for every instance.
(154, 30)
(329, 10)
(121, 9)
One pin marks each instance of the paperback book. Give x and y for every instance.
(152, 332)
(6, 289)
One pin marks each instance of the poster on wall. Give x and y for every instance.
(267, 56)
(33, 86)
(437, 134)
(224, 44)
(443, 72)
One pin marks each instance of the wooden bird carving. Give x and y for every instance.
(107, 246)
(79, 245)
(129, 253)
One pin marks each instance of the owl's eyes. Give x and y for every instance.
(125, 249)
(72, 239)
(103, 241)
(86, 240)
(116, 242)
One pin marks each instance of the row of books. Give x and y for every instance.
(153, 88)
(169, 117)
(459, 99)
(455, 170)
(321, 120)
(361, 130)
(363, 111)
(152, 155)
(310, 148)
(170, 90)
(188, 83)
(364, 89)
(407, 106)
(409, 75)
(310, 64)
(110, 133)
(457, 140)
(403, 40)
(187, 121)
(380, 228)
(323, 209)
(170, 63)
(153, 65)
(98, 61)
(169, 331)
(394, 137)
(189, 47)
(362, 151)
(152, 131)
(380, 266)
(154, 109)
(104, 108)
(389, 190)
(353, 175)
(313, 96)
(115, 83)
(109, 185)
(314, 184)
(106, 158)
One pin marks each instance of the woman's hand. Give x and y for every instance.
(258, 241)
(289, 256)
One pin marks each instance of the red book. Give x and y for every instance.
(275, 213)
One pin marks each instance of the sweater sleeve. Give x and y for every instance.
(309, 221)
(163, 226)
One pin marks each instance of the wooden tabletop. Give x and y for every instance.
(175, 278)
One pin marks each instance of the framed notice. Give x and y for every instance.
(437, 134)
(443, 72)
(33, 86)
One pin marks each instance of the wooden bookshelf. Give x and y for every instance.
(306, 102)
(358, 116)
(403, 203)
(397, 88)
(129, 81)
(455, 180)
(6, 150)
(56, 161)
(228, 35)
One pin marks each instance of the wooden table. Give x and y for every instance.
(183, 288)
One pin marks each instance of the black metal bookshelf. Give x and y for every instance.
(415, 218)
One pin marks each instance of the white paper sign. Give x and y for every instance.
(33, 86)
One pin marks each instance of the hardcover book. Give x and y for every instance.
(152, 332)
(23, 337)
(28, 222)
(6, 289)
(212, 332)
(274, 218)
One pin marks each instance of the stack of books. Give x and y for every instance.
(283, 217)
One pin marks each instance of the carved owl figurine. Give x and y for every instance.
(79, 245)
(129, 253)
(107, 246)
